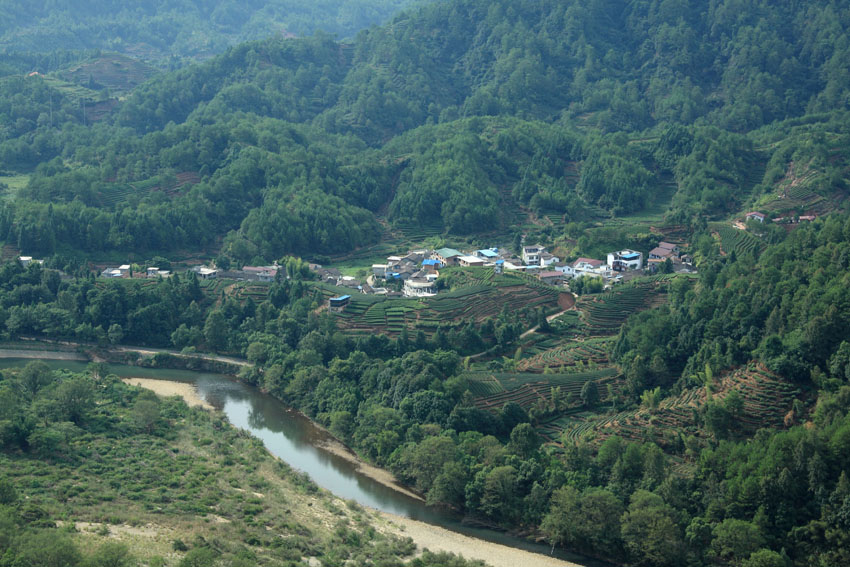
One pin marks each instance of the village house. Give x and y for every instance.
(755, 215)
(470, 261)
(587, 264)
(625, 260)
(547, 259)
(551, 277)
(338, 304)
(379, 270)
(489, 254)
(27, 260)
(668, 246)
(447, 256)
(660, 254)
(260, 273)
(531, 254)
(393, 263)
(514, 263)
(154, 272)
(416, 256)
(420, 286)
(207, 273)
(431, 266)
(328, 275)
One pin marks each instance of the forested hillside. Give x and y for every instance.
(170, 30)
(678, 419)
(753, 472)
(599, 110)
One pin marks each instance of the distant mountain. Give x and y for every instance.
(162, 29)
(456, 115)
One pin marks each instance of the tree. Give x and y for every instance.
(524, 440)
(115, 333)
(735, 540)
(764, 558)
(112, 554)
(499, 499)
(215, 330)
(35, 376)
(47, 549)
(560, 525)
(589, 394)
(650, 532)
(448, 488)
(145, 414)
(74, 398)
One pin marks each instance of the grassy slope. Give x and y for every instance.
(196, 480)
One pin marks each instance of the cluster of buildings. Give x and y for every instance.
(126, 271)
(419, 269)
(760, 217)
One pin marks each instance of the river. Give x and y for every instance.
(292, 437)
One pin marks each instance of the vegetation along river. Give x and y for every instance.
(292, 437)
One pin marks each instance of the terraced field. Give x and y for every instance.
(567, 355)
(604, 314)
(767, 399)
(493, 390)
(739, 241)
(417, 233)
(484, 295)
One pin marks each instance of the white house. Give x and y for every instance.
(420, 287)
(206, 273)
(470, 261)
(547, 259)
(625, 260)
(531, 254)
(587, 264)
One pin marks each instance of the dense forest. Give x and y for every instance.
(587, 125)
(427, 120)
(171, 31)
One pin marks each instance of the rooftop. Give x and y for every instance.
(591, 261)
(488, 253)
(448, 252)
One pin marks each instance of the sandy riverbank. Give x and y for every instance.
(424, 535)
(191, 397)
(379, 475)
(41, 354)
(435, 538)
(168, 388)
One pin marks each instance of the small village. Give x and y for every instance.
(416, 273)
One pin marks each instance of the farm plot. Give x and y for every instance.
(473, 303)
(570, 354)
(739, 241)
(494, 390)
(605, 314)
(766, 397)
(417, 233)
